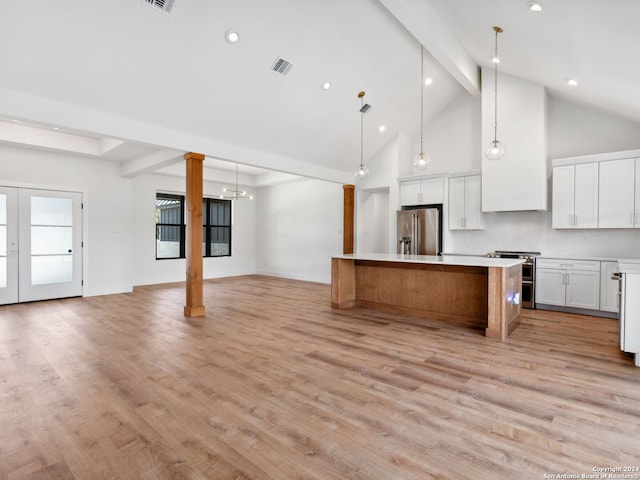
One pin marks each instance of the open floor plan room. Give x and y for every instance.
(275, 384)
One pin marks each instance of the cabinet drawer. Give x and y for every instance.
(568, 264)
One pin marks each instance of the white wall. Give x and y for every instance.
(454, 144)
(148, 270)
(299, 228)
(373, 228)
(572, 130)
(382, 183)
(452, 139)
(575, 131)
(107, 214)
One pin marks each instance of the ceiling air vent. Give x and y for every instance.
(163, 5)
(281, 66)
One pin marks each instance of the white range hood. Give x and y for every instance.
(518, 181)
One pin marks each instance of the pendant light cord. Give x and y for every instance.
(421, 99)
(361, 131)
(495, 89)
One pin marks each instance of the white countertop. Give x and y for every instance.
(629, 265)
(468, 261)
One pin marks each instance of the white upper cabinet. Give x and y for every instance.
(575, 196)
(563, 200)
(427, 191)
(464, 203)
(597, 191)
(618, 187)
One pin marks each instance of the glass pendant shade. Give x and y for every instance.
(422, 161)
(495, 150)
(362, 172)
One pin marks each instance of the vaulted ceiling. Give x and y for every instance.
(132, 84)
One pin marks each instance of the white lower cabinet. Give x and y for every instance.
(568, 283)
(609, 287)
(550, 289)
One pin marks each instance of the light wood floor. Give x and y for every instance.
(273, 384)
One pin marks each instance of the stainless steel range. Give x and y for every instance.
(528, 273)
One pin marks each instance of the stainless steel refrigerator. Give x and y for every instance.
(419, 231)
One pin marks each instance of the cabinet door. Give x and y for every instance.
(456, 203)
(562, 209)
(432, 190)
(630, 327)
(617, 187)
(583, 289)
(636, 213)
(409, 192)
(608, 287)
(586, 195)
(550, 288)
(472, 202)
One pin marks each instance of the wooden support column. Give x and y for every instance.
(195, 304)
(348, 218)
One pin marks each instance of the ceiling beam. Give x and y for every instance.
(150, 163)
(14, 104)
(422, 21)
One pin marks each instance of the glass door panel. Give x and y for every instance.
(50, 238)
(8, 245)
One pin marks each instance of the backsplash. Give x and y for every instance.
(531, 231)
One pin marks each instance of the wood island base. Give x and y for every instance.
(440, 290)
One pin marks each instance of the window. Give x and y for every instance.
(171, 228)
(217, 227)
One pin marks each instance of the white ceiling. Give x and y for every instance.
(157, 85)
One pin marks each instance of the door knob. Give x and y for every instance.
(70, 250)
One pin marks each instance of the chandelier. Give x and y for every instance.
(235, 193)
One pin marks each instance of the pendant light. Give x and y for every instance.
(423, 160)
(496, 149)
(235, 194)
(362, 171)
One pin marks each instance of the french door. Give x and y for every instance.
(40, 244)
(8, 245)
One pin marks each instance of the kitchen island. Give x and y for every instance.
(439, 287)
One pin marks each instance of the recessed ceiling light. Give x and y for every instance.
(572, 82)
(428, 81)
(535, 7)
(382, 128)
(232, 36)
(326, 86)
(495, 59)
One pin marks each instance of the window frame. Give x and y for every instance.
(207, 225)
(181, 225)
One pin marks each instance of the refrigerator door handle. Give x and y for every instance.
(416, 223)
